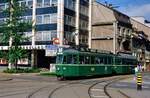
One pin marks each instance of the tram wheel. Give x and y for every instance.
(60, 78)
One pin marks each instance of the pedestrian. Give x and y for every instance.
(139, 67)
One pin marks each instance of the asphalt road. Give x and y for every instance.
(129, 87)
(32, 86)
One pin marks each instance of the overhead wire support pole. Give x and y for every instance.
(10, 37)
(90, 23)
(77, 22)
(33, 22)
(33, 33)
(60, 21)
(115, 23)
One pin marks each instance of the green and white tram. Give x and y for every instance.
(75, 63)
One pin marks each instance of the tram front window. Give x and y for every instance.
(59, 59)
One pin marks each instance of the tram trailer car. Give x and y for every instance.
(75, 63)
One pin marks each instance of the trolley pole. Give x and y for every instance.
(139, 81)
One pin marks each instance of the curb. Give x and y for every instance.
(6, 79)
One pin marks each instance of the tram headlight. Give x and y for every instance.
(64, 68)
(58, 68)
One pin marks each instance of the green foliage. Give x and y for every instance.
(22, 70)
(16, 53)
(14, 27)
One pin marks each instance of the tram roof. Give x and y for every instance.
(94, 52)
(84, 50)
(127, 56)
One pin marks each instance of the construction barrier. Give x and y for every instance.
(139, 81)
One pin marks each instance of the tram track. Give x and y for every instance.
(91, 84)
(36, 91)
(105, 88)
(53, 89)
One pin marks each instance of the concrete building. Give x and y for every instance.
(111, 29)
(68, 21)
(141, 40)
(117, 32)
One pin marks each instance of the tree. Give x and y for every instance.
(12, 32)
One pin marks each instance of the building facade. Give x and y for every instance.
(111, 30)
(68, 21)
(116, 32)
(141, 40)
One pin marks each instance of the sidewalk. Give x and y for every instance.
(5, 77)
(132, 92)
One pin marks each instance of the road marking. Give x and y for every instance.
(97, 90)
(145, 82)
(16, 74)
(122, 85)
(145, 87)
(99, 96)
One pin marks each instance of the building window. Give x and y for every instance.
(22, 19)
(22, 3)
(69, 20)
(2, 7)
(83, 39)
(54, 2)
(29, 35)
(69, 37)
(2, 20)
(46, 36)
(29, 18)
(84, 10)
(39, 3)
(38, 19)
(53, 34)
(46, 3)
(46, 19)
(30, 4)
(38, 36)
(53, 18)
(83, 24)
(70, 4)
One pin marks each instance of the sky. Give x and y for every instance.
(131, 7)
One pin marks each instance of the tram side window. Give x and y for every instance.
(71, 59)
(99, 60)
(84, 59)
(81, 59)
(75, 59)
(87, 59)
(124, 61)
(92, 59)
(59, 59)
(118, 61)
(129, 62)
(65, 60)
(109, 60)
(105, 60)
